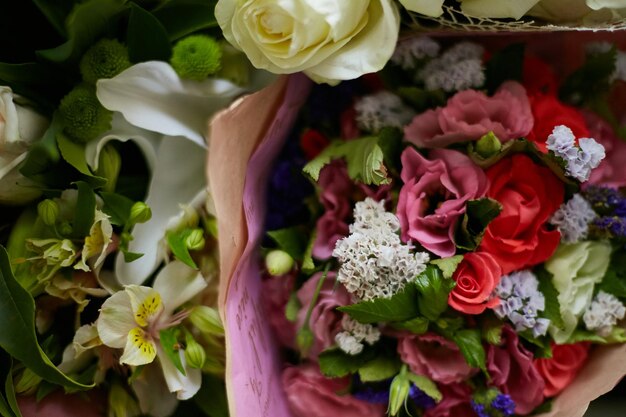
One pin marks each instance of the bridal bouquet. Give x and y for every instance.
(443, 238)
(109, 269)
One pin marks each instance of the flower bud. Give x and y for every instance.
(194, 353)
(488, 145)
(109, 163)
(207, 320)
(196, 57)
(213, 365)
(195, 240)
(27, 383)
(121, 403)
(65, 228)
(398, 393)
(105, 59)
(48, 211)
(304, 340)
(278, 262)
(140, 212)
(83, 116)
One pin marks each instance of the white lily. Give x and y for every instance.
(132, 319)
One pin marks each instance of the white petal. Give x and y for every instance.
(497, 8)
(428, 7)
(122, 131)
(178, 283)
(185, 387)
(150, 95)
(178, 177)
(139, 349)
(116, 320)
(154, 397)
(145, 302)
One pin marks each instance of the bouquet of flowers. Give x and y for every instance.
(442, 238)
(108, 264)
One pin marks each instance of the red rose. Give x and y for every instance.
(539, 78)
(476, 277)
(561, 369)
(529, 194)
(549, 112)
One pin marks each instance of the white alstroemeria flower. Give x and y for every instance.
(132, 319)
(97, 244)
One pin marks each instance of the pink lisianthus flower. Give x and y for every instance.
(470, 114)
(59, 404)
(325, 320)
(434, 196)
(455, 402)
(434, 356)
(512, 372)
(310, 394)
(611, 170)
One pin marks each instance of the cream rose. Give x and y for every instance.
(20, 126)
(329, 40)
(576, 269)
(514, 9)
(585, 11)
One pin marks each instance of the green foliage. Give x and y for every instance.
(470, 345)
(105, 59)
(212, 397)
(83, 116)
(448, 265)
(478, 214)
(417, 325)
(364, 158)
(117, 207)
(290, 240)
(433, 292)
(335, 363)
(169, 343)
(400, 307)
(146, 37)
(85, 210)
(196, 57)
(380, 368)
(590, 81)
(552, 311)
(177, 242)
(505, 65)
(183, 17)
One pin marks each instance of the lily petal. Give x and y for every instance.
(152, 96)
(116, 320)
(145, 302)
(185, 386)
(177, 283)
(139, 349)
(171, 185)
(122, 131)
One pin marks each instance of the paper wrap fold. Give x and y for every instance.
(246, 139)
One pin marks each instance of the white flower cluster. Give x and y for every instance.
(459, 68)
(374, 262)
(351, 339)
(521, 301)
(603, 313)
(409, 52)
(572, 219)
(579, 160)
(382, 109)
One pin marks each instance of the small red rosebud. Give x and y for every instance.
(312, 143)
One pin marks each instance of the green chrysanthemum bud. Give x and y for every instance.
(105, 59)
(195, 239)
(196, 57)
(140, 212)
(83, 116)
(488, 145)
(235, 65)
(207, 320)
(48, 211)
(109, 163)
(278, 262)
(194, 353)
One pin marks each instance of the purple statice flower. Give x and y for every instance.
(605, 200)
(372, 395)
(420, 398)
(612, 225)
(378, 393)
(480, 409)
(504, 404)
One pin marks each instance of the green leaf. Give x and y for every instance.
(36, 81)
(425, 385)
(17, 328)
(470, 345)
(363, 156)
(130, 256)
(9, 389)
(117, 207)
(336, 363)
(379, 369)
(590, 81)
(84, 25)
(212, 396)
(74, 154)
(55, 11)
(613, 283)
(5, 373)
(505, 65)
(184, 17)
(178, 245)
(85, 210)
(292, 308)
(448, 265)
(433, 292)
(552, 311)
(618, 335)
(478, 214)
(400, 307)
(290, 240)
(45, 152)
(308, 266)
(169, 343)
(147, 39)
(390, 142)
(418, 325)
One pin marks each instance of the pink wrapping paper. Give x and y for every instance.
(253, 365)
(238, 178)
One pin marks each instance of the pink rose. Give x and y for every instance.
(476, 277)
(611, 171)
(455, 402)
(560, 370)
(434, 196)
(434, 356)
(325, 320)
(59, 404)
(470, 114)
(310, 394)
(276, 293)
(512, 372)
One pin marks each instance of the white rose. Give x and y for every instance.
(327, 39)
(586, 12)
(20, 126)
(426, 7)
(609, 4)
(514, 9)
(576, 269)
